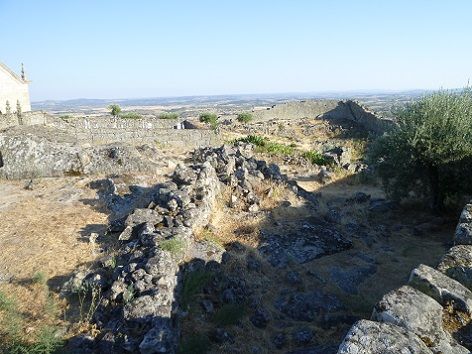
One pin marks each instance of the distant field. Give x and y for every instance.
(227, 104)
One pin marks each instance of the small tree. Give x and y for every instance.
(209, 118)
(244, 117)
(115, 110)
(430, 152)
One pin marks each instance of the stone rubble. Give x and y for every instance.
(412, 319)
(140, 293)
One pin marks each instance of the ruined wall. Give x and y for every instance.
(27, 118)
(105, 130)
(13, 90)
(328, 109)
(295, 110)
(431, 314)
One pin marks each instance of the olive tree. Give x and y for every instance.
(115, 110)
(429, 153)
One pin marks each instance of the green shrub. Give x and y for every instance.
(278, 149)
(168, 115)
(209, 118)
(266, 146)
(244, 117)
(115, 110)
(430, 152)
(130, 115)
(229, 314)
(316, 158)
(252, 139)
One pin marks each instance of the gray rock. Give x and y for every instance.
(441, 288)
(415, 311)
(184, 175)
(466, 215)
(127, 234)
(145, 308)
(141, 216)
(463, 234)
(457, 264)
(159, 339)
(368, 337)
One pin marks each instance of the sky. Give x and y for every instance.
(144, 48)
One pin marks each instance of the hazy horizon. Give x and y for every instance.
(130, 50)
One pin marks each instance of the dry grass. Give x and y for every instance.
(43, 231)
(454, 320)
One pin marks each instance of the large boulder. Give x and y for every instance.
(417, 312)
(441, 288)
(40, 151)
(368, 337)
(457, 264)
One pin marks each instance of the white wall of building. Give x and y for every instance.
(13, 90)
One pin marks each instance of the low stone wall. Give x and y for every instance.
(139, 310)
(26, 118)
(431, 314)
(105, 130)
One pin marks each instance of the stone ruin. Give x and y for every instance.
(142, 296)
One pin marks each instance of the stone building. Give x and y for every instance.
(14, 91)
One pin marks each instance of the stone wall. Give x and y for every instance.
(328, 109)
(431, 314)
(295, 110)
(105, 130)
(27, 118)
(13, 90)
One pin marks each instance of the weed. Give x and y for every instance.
(229, 314)
(89, 299)
(39, 278)
(128, 294)
(315, 158)
(175, 246)
(264, 145)
(12, 322)
(252, 139)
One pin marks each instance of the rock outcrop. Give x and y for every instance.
(50, 152)
(430, 314)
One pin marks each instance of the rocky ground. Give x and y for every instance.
(229, 250)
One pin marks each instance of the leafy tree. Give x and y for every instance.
(429, 154)
(209, 118)
(244, 117)
(115, 110)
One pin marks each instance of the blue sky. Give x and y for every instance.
(127, 49)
